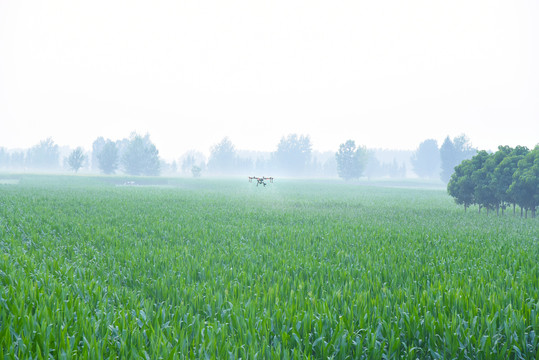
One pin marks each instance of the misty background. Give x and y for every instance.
(388, 75)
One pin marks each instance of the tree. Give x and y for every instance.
(426, 159)
(16, 160)
(394, 170)
(497, 195)
(196, 171)
(471, 183)
(503, 175)
(448, 159)
(45, 155)
(351, 160)
(222, 157)
(76, 159)
(192, 158)
(108, 158)
(174, 167)
(461, 186)
(374, 168)
(293, 154)
(4, 158)
(453, 153)
(97, 147)
(525, 186)
(484, 193)
(141, 157)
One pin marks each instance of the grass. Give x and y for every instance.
(202, 268)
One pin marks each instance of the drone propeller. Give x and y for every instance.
(260, 180)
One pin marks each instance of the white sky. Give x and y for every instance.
(385, 73)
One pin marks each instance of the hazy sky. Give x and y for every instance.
(384, 73)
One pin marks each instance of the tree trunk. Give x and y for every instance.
(526, 213)
(521, 212)
(498, 210)
(514, 209)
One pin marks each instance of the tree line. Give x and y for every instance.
(494, 181)
(137, 155)
(294, 156)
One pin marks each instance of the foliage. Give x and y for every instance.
(43, 156)
(426, 159)
(525, 186)
(453, 153)
(222, 157)
(4, 158)
(108, 157)
(503, 174)
(461, 186)
(196, 171)
(190, 159)
(492, 180)
(351, 160)
(16, 160)
(97, 147)
(218, 269)
(293, 154)
(76, 159)
(141, 157)
(376, 169)
(484, 191)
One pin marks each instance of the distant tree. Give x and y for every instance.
(4, 158)
(448, 159)
(293, 154)
(525, 186)
(141, 157)
(108, 157)
(244, 165)
(351, 160)
(463, 146)
(394, 170)
(45, 155)
(17, 160)
(190, 159)
(76, 159)
(373, 168)
(97, 147)
(196, 171)
(222, 157)
(453, 153)
(426, 159)
(174, 167)
(329, 167)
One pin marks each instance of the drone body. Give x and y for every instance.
(260, 180)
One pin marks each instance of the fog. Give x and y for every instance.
(385, 74)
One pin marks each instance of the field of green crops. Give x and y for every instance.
(222, 269)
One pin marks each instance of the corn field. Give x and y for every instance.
(222, 269)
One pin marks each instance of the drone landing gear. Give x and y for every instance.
(260, 180)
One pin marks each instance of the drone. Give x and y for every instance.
(260, 180)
